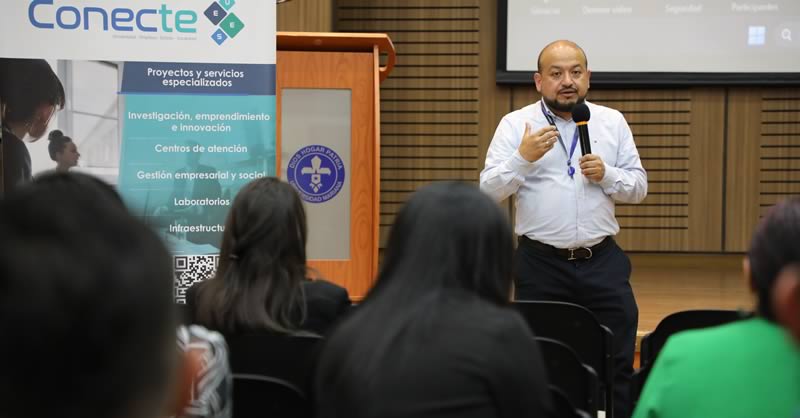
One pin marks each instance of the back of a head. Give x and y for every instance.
(258, 285)
(449, 235)
(773, 247)
(86, 309)
(448, 242)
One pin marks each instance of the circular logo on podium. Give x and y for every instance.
(317, 172)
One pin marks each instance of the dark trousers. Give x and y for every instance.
(600, 284)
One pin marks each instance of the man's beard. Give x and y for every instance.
(562, 106)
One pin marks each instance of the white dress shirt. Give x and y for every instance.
(552, 207)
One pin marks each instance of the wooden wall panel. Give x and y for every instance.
(706, 170)
(762, 155)
(305, 16)
(429, 104)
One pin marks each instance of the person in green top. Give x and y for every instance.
(749, 368)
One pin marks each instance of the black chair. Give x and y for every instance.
(652, 343)
(257, 396)
(566, 372)
(268, 361)
(562, 407)
(578, 328)
(638, 379)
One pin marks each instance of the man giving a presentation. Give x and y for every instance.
(565, 201)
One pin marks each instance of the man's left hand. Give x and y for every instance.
(593, 168)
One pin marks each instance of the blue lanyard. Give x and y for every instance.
(552, 122)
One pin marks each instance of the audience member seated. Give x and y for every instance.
(262, 283)
(86, 312)
(749, 368)
(436, 337)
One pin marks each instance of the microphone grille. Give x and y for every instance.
(580, 113)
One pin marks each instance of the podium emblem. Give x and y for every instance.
(317, 172)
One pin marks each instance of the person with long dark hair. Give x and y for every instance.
(31, 94)
(748, 368)
(435, 336)
(63, 151)
(262, 283)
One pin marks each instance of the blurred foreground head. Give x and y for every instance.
(86, 313)
(773, 248)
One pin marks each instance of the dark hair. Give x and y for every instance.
(78, 183)
(86, 311)
(448, 239)
(772, 248)
(552, 44)
(27, 84)
(57, 143)
(258, 285)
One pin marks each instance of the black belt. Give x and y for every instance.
(569, 254)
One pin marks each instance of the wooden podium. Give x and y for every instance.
(326, 63)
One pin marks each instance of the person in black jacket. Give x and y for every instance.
(31, 94)
(435, 336)
(262, 283)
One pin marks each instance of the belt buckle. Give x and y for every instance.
(572, 253)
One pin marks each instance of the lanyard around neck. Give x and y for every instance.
(551, 120)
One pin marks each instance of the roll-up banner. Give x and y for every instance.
(173, 101)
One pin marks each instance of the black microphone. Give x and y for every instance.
(581, 114)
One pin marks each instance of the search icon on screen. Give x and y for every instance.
(786, 34)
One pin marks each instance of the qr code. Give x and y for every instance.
(191, 269)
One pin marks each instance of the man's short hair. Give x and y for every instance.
(86, 313)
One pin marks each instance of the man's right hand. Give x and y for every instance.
(537, 144)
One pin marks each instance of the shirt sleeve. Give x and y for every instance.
(627, 181)
(519, 383)
(505, 169)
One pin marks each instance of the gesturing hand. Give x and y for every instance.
(593, 168)
(535, 145)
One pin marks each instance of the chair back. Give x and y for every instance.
(578, 328)
(653, 342)
(257, 396)
(566, 372)
(269, 358)
(562, 407)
